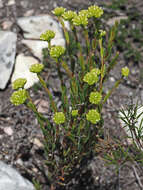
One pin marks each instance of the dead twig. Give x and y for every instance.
(138, 179)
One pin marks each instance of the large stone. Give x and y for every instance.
(21, 70)
(7, 56)
(36, 46)
(34, 26)
(10, 179)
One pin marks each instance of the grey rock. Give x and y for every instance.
(7, 56)
(10, 179)
(103, 176)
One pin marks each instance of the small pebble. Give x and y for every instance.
(11, 2)
(6, 25)
(19, 161)
(112, 79)
(8, 131)
(37, 142)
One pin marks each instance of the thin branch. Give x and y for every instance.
(137, 178)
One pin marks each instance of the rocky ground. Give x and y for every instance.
(20, 136)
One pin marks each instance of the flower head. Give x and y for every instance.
(57, 51)
(74, 112)
(36, 68)
(102, 33)
(93, 116)
(69, 15)
(19, 83)
(80, 20)
(58, 11)
(59, 118)
(95, 97)
(47, 36)
(125, 71)
(96, 71)
(83, 13)
(19, 97)
(95, 11)
(90, 78)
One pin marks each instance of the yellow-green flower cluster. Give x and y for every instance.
(59, 118)
(57, 51)
(36, 68)
(47, 36)
(58, 11)
(95, 11)
(91, 77)
(125, 71)
(19, 83)
(102, 33)
(83, 13)
(93, 116)
(19, 97)
(80, 20)
(96, 71)
(69, 15)
(74, 113)
(95, 97)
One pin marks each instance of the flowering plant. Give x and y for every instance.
(72, 132)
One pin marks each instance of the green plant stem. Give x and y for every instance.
(39, 116)
(81, 58)
(49, 45)
(112, 89)
(65, 31)
(69, 73)
(87, 40)
(102, 65)
(111, 66)
(68, 44)
(53, 105)
(90, 59)
(94, 44)
(71, 76)
(73, 28)
(63, 87)
(59, 72)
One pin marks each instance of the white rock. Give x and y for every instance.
(11, 2)
(38, 143)
(112, 21)
(21, 70)
(137, 126)
(6, 25)
(29, 12)
(7, 56)
(36, 46)
(42, 106)
(1, 3)
(10, 179)
(8, 130)
(34, 26)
